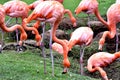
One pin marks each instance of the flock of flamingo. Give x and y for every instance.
(52, 11)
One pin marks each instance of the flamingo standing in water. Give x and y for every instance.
(81, 36)
(13, 28)
(52, 12)
(99, 60)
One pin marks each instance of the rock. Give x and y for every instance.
(59, 33)
(97, 27)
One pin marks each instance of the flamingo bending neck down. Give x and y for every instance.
(16, 9)
(99, 60)
(81, 36)
(113, 17)
(89, 7)
(52, 12)
(113, 13)
(13, 28)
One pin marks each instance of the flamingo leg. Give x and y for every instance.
(43, 48)
(17, 30)
(50, 44)
(6, 24)
(117, 39)
(88, 20)
(18, 46)
(8, 21)
(81, 59)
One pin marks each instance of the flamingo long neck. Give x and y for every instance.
(58, 40)
(73, 20)
(37, 36)
(90, 67)
(100, 18)
(13, 28)
(71, 43)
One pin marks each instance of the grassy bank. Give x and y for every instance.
(29, 66)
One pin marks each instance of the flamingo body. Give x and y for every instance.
(99, 60)
(88, 6)
(47, 12)
(16, 8)
(82, 35)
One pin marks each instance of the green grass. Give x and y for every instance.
(29, 66)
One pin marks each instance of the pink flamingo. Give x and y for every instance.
(16, 9)
(6, 29)
(113, 18)
(34, 4)
(52, 12)
(99, 60)
(91, 6)
(81, 36)
(36, 25)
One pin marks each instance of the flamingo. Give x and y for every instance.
(81, 36)
(113, 17)
(52, 12)
(36, 25)
(16, 9)
(89, 7)
(113, 13)
(34, 4)
(99, 60)
(6, 29)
